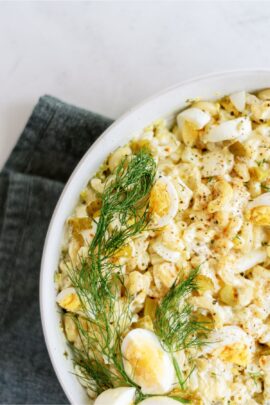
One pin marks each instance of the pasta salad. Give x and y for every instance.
(164, 275)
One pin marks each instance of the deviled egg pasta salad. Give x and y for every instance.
(164, 276)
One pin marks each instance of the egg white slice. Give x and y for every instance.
(167, 254)
(159, 401)
(163, 190)
(239, 128)
(195, 116)
(262, 200)
(147, 363)
(239, 100)
(117, 396)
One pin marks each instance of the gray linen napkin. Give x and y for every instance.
(53, 141)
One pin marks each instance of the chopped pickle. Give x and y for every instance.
(79, 224)
(228, 295)
(259, 173)
(204, 283)
(150, 307)
(139, 144)
(93, 207)
(145, 323)
(238, 149)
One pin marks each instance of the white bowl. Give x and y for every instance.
(161, 105)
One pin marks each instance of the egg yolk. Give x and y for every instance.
(71, 302)
(160, 199)
(237, 353)
(145, 362)
(261, 215)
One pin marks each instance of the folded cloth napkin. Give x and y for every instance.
(53, 141)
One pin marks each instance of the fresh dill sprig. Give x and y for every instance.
(98, 279)
(175, 324)
(124, 199)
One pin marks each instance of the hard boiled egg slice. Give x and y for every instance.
(263, 199)
(117, 396)
(167, 254)
(260, 210)
(68, 299)
(239, 100)
(195, 116)
(239, 128)
(163, 202)
(147, 363)
(159, 401)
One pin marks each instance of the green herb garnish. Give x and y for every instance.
(124, 200)
(175, 324)
(98, 281)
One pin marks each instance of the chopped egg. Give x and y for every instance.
(239, 100)
(239, 128)
(159, 401)
(68, 299)
(117, 396)
(164, 202)
(231, 344)
(216, 163)
(184, 193)
(249, 260)
(261, 111)
(195, 116)
(147, 363)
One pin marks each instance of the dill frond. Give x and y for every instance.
(175, 324)
(125, 199)
(102, 324)
(98, 281)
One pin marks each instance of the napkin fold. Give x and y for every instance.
(53, 141)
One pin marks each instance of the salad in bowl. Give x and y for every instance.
(163, 278)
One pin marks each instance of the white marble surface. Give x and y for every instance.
(107, 56)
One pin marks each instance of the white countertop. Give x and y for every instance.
(107, 56)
